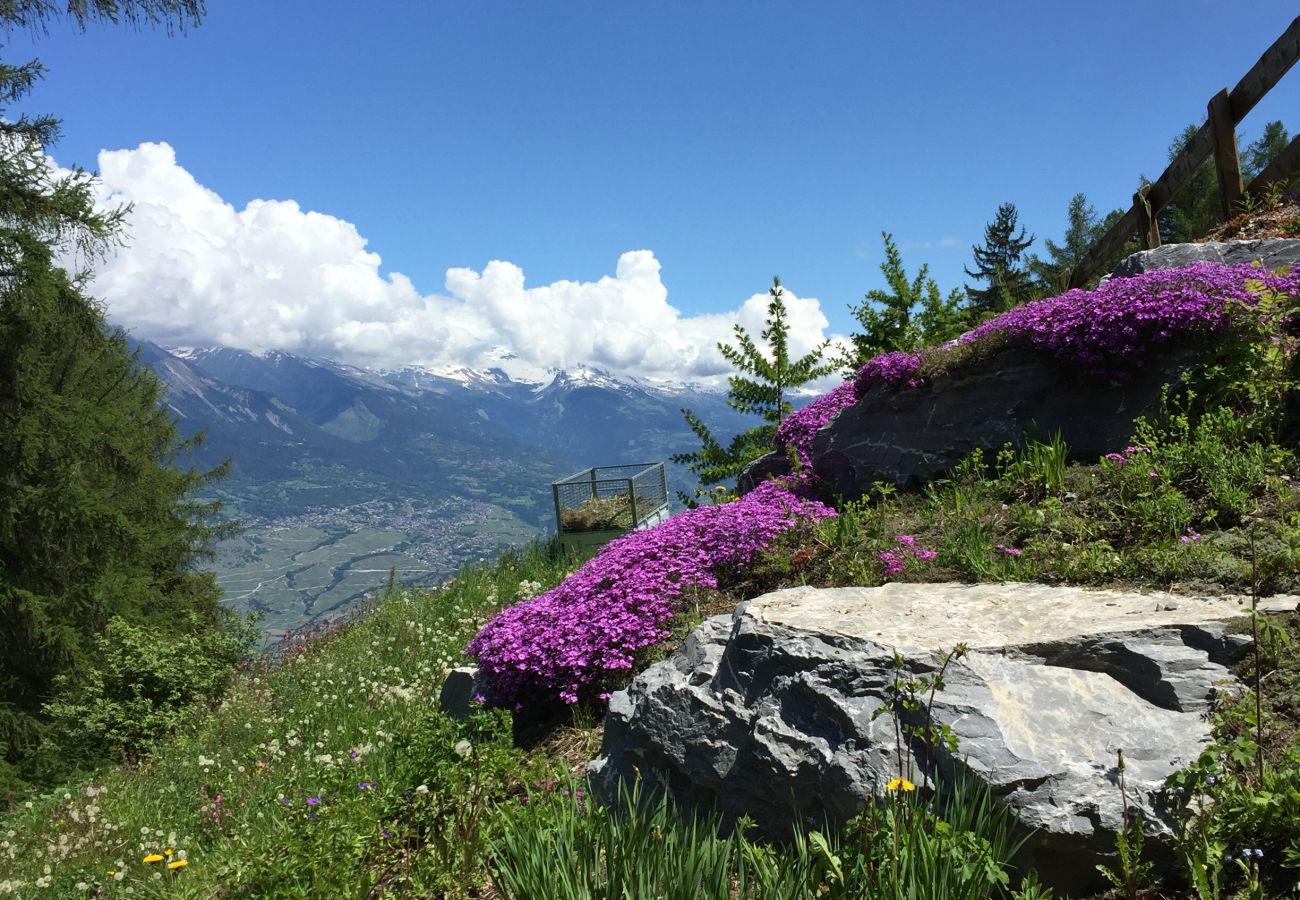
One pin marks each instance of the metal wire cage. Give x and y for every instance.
(605, 501)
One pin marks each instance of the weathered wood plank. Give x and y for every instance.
(1106, 246)
(1226, 161)
(1180, 171)
(1276, 62)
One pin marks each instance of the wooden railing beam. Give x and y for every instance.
(1267, 71)
(1227, 111)
(1104, 249)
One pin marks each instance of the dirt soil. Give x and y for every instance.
(1280, 222)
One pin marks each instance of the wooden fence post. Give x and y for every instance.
(1226, 161)
(1148, 226)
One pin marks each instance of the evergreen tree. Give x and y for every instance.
(998, 264)
(97, 520)
(765, 376)
(1083, 229)
(1263, 151)
(912, 313)
(1196, 208)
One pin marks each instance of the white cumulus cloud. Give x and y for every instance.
(198, 271)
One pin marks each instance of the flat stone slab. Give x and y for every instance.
(992, 616)
(783, 710)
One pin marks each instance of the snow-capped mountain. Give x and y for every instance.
(342, 474)
(489, 432)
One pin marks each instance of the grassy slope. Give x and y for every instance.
(332, 774)
(307, 781)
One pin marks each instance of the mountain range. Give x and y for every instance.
(340, 474)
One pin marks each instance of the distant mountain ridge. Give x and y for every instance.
(341, 473)
(293, 408)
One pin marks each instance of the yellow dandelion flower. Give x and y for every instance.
(168, 853)
(153, 858)
(900, 784)
(178, 863)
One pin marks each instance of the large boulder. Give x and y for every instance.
(1272, 252)
(905, 436)
(775, 711)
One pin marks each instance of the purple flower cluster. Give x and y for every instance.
(620, 602)
(1110, 329)
(897, 368)
(1107, 330)
(895, 559)
(801, 426)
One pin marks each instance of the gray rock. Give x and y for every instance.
(906, 436)
(459, 688)
(1273, 252)
(771, 712)
(772, 465)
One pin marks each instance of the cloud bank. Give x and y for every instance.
(197, 271)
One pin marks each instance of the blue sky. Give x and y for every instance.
(731, 141)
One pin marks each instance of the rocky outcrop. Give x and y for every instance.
(776, 711)
(905, 436)
(1272, 252)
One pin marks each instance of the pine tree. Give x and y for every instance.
(912, 313)
(97, 516)
(1263, 151)
(1195, 209)
(1051, 275)
(765, 376)
(998, 265)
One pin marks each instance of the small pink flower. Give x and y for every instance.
(906, 539)
(1009, 551)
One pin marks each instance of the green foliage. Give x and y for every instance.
(761, 386)
(1264, 150)
(139, 689)
(1131, 873)
(957, 846)
(999, 265)
(1083, 229)
(327, 769)
(96, 515)
(639, 848)
(912, 313)
(35, 14)
(1237, 805)
(1197, 206)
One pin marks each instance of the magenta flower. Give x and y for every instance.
(1107, 332)
(1009, 551)
(561, 642)
(894, 560)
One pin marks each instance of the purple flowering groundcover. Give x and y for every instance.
(562, 642)
(1106, 331)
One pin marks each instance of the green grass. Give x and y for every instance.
(328, 771)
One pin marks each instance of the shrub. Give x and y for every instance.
(139, 690)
